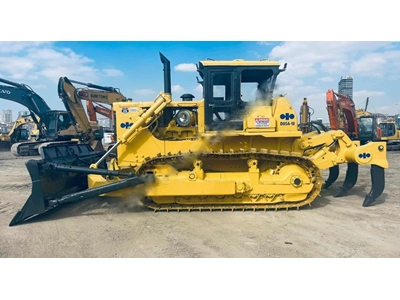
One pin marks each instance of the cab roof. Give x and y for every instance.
(239, 62)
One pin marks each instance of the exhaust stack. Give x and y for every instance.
(167, 74)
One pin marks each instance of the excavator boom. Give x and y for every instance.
(100, 109)
(342, 113)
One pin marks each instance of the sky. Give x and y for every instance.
(135, 68)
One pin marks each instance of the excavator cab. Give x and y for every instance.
(368, 129)
(59, 126)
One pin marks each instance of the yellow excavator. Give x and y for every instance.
(222, 152)
(18, 133)
(89, 131)
(5, 143)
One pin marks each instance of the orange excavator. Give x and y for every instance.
(358, 124)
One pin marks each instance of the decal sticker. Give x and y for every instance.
(125, 110)
(83, 94)
(261, 122)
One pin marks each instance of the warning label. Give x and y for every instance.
(261, 122)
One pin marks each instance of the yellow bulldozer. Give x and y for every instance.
(223, 152)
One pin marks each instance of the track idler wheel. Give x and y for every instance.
(378, 184)
(333, 175)
(350, 179)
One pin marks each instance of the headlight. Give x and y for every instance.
(183, 118)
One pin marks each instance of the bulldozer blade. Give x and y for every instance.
(333, 175)
(378, 184)
(45, 197)
(350, 179)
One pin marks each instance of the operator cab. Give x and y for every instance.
(229, 87)
(57, 121)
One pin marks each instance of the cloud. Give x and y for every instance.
(326, 79)
(177, 89)
(186, 68)
(369, 65)
(16, 67)
(15, 47)
(145, 92)
(365, 94)
(309, 58)
(198, 91)
(381, 64)
(265, 43)
(113, 72)
(36, 61)
(360, 98)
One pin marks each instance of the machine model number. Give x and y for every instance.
(95, 96)
(5, 92)
(261, 122)
(287, 123)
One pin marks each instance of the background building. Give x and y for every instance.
(346, 86)
(23, 113)
(6, 116)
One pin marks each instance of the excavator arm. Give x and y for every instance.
(96, 94)
(73, 104)
(106, 95)
(100, 109)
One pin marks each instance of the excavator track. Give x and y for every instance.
(25, 149)
(33, 148)
(258, 201)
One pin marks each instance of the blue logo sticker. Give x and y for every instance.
(364, 155)
(287, 116)
(126, 125)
